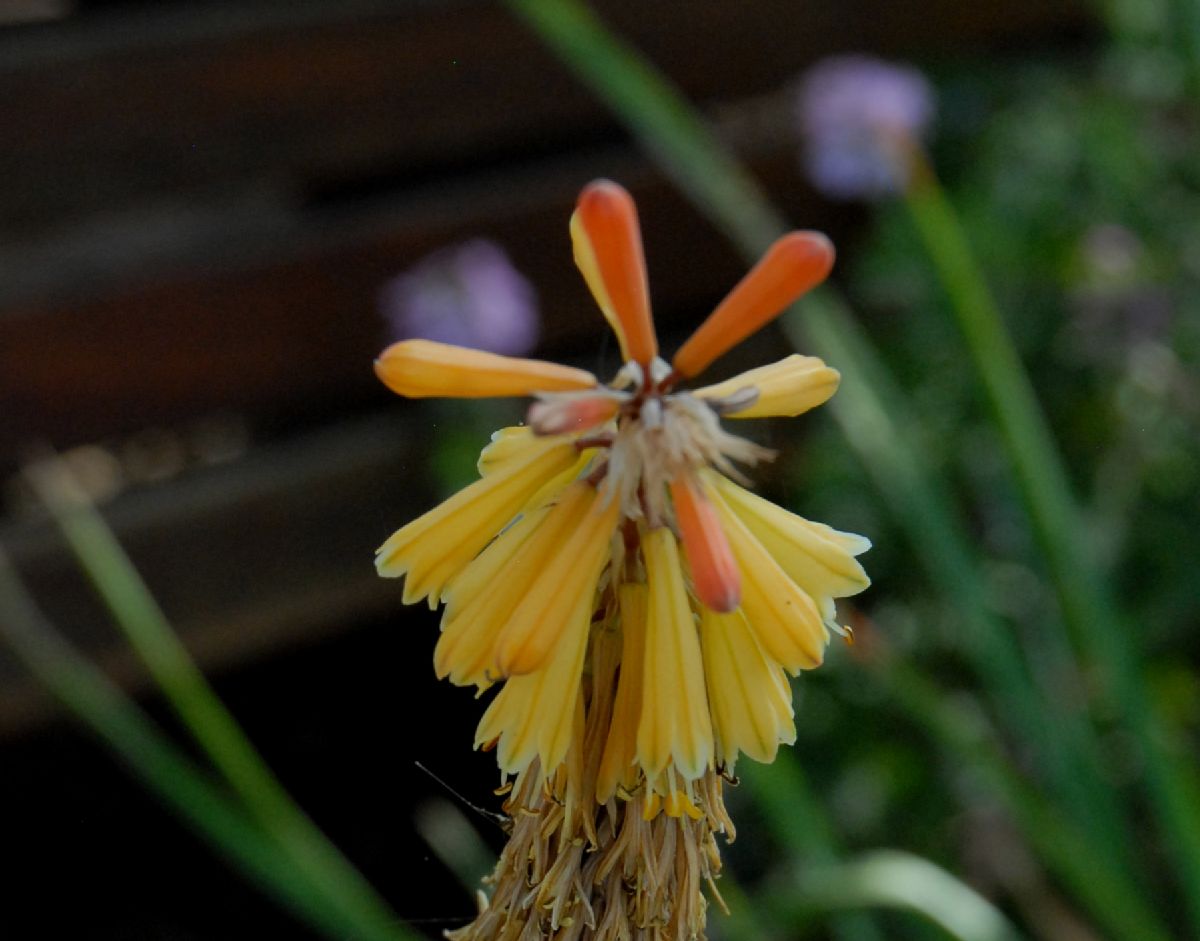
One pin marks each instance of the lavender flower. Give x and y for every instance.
(859, 117)
(469, 295)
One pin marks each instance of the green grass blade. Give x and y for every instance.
(892, 879)
(796, 818)
(1100, 632)
(1063, 741)
(1067, 849)
(138, 615)
(161, 767)
(663, 121)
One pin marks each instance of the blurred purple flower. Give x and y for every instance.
(859, 117)
(468, 295)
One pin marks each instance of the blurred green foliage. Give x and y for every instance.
(976, 723)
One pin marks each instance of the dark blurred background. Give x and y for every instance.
(200, 203)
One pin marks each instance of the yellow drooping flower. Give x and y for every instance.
(639, 609)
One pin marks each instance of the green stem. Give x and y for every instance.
(1107, 642)
(138, 615)
(95, 702)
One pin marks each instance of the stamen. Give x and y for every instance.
(652, 414)
(602, 440)
(796, 263)
(844, 631)
(630, 374)
(737, 401)
(557, 416)
(659, 371)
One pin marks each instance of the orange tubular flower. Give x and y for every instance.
(640, 609)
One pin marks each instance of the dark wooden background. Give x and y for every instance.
(198, 205)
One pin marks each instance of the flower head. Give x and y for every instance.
(469, 295)
(860, 117)
(640, 608)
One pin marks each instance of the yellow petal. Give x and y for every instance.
(807, 552)
(750, 711)
(506, 444)
(675, 727)
(789, 387)
(796, 263)
(617, 766)
(550, 490)
(423, 368)
(565, 584)
(480, 598)
(784, 618)
(534, 715)
(607, 240)
(435, 547)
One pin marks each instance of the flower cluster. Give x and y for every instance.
(640, 609)
(862, 121)
(468, 294)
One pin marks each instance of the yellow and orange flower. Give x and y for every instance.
(640, 607)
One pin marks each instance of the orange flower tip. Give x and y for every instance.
(721, 596)
(562, 416)
(609, 221)
(424, 368)
(716, 579)
(796, 263)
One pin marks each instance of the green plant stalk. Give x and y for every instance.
(711, 176)
(203, 714)
(1065, 747)
(97, 704)
(1042, 480)
(1185, 16)
(663, 121)
(1066, 848)
(892, 879)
